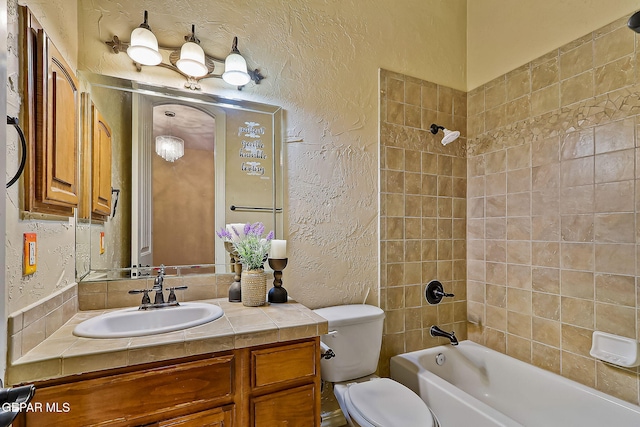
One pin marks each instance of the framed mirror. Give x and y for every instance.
(163, 169)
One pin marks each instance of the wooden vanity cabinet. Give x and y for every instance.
(265, 386)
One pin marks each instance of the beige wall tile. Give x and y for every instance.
(616, 319)
(614, 197)
(519, 348)
(577, 312)
(579, 368)
(613, 45)
(615, 75)
(615, 228)
(614, 289)
(577, 256)
(545, 74)
(614, 136)
(546, 305)
(546, 331)
(577, 88)
(617, 382)
(578, 144)
(617, 259)
(519, 324)
(615, 166)
(518, 82)
(576, 340)
(578, 284)
(577, 60)
(545, 357)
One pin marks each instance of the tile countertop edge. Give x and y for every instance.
(295, 321)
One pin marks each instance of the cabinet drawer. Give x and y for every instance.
(278, 365)
(218, 417)
(291, 408)
(140, 397)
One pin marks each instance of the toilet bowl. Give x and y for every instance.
(355, 336)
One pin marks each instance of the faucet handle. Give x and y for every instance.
(172, 294)
(145, 297)
(176, 288)
(434, 292)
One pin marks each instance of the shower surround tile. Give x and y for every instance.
(575, 270)
(423, 210)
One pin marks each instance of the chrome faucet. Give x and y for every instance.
(157, 286)
(437, 332)
(158, 301)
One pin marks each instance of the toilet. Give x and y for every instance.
(355, 336)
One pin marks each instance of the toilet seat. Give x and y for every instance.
(383, 402)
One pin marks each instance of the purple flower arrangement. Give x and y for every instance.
(251, 247)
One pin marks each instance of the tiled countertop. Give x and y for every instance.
(63, 353)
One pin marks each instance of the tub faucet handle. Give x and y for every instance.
(434, 292)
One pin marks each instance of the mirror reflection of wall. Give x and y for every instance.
(184, 189)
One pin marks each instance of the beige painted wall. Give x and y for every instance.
(505, 34)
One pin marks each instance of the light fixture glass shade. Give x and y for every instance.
(170, 148)
(191, 60)
(449, 136)
(235, 70)
(144, 47)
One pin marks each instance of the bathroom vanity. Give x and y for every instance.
(266, 373)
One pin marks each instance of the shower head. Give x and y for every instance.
(634, 22)
(449, 135)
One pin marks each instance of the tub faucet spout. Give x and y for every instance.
(437, 332)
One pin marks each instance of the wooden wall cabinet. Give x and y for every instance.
(266, 386)
(50, 120)
(96, 163)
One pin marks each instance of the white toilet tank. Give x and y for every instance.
(355, 336)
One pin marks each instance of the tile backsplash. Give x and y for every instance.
(30, 326)
(553, 237)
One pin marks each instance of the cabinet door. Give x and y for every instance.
(289, 408)
(59, 180)
(219, 417)
(101, 165)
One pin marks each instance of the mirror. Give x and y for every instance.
(163, 209)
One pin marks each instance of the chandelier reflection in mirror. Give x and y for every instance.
(190, 60)
(169, 147)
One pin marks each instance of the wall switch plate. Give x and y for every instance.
(101, 242)
(30, 254)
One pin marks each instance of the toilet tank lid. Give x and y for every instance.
(350, 314)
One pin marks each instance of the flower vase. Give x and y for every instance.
(253, 285)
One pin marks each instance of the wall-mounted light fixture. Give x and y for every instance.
(190, 60)
(449, 135)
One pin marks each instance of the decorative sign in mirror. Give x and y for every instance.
(182, 165)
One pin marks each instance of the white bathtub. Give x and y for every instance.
(478, 387)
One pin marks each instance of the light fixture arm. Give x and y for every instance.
(145, 23)
(193, 83)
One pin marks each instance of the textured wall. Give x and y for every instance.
(321, 60)
(56, 243)
(553, 207)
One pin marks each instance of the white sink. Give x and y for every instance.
(132, 322)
